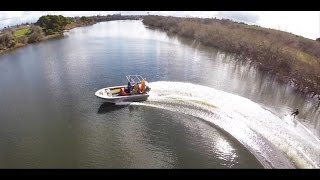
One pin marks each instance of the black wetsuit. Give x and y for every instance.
(295, 113)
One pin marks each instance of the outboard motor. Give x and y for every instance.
(148, 89)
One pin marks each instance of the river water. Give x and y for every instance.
(205, 110)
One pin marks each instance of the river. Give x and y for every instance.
(205, 110)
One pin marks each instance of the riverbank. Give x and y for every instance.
(289, 58)
(19, 44)
(75, 25)
(13, 38)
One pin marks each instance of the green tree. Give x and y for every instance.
(53, 24)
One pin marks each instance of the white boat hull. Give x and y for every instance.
(104, 94)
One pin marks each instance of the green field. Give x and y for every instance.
(21, 32)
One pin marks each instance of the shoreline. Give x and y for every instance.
(67, 28)
(46, 38)
(20, 45)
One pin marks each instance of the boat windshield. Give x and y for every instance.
(133, 79)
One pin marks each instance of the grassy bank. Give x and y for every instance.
(288, 57)
(21, 32)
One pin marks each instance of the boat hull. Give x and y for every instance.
(102, 93)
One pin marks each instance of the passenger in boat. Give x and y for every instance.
(143, 86)
(128, 88)
(123, 92)
(136, 89)
(295, 113)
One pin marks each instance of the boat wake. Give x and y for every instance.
(276, 142)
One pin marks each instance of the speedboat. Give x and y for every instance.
(117, 94)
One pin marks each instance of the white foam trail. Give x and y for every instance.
(274, 141)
